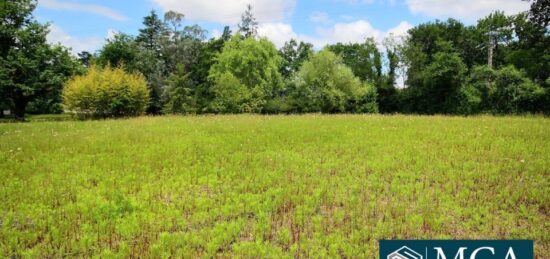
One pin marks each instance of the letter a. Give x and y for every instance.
(510, 254)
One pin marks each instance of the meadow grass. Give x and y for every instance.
(269, 186)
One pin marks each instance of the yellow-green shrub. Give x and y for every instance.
(106, 92)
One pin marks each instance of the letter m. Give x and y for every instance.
(441, 254)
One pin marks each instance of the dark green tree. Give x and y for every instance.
(153, 33)
(121, 50)
(435, 89)
(199, 72)
(179, 95)
(85, 58)
(151, 43)
(293, 56)
(514, 92)
(531, 49)
(30, 68)
(248, 26)
(539, 13)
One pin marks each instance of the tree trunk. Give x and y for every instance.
(19, 109)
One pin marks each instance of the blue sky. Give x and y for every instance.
(85, 24)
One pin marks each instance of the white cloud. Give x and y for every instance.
(470, 10)
(86, 8)
(352, 32)
(320, 17)
(229, 11)
(91, 44)
(355, 31)
(278, 33)
(400, 30)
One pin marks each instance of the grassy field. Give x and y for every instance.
(258, 186)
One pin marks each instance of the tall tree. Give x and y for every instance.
(153, 33)
(248, 26)
(199, 72)
(151, 42)
(293, 56)
(29, 67)
(248, 71)
(174, 19)
(436, 87)
(530, 49)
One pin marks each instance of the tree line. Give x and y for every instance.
(500, 65)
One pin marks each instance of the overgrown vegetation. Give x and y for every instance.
(269, 186)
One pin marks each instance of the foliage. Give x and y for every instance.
(31, 70)
(539, 13)
(107, 92)
(248, 26)
(364, 59)
(305, 186)
(514, 92)
(232, 96)
(481, 78)
(442, 63)
(179, 96)
(293, 56)
(531, 51)
(120, 50)
(153, 33)
(326, 84)
(152, 40)
(85, 58)
(251, 68)
(200, 71)
(436, 89)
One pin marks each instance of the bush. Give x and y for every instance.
(230, 95)
(469, 100)
(107, 92)
(513, 92)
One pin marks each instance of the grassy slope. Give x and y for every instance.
(279, 186)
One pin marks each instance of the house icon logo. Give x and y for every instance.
(405, 253)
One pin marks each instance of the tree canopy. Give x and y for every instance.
(245, 75)
(30, 68)
(499, 65)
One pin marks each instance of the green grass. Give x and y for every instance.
(269, 186)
